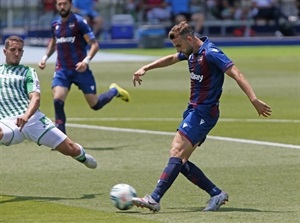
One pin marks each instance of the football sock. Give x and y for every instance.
(81, 156)
(196, 176)
(60, 116)
(104, 98)
(167, 177)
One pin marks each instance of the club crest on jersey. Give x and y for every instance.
(71, 25)
(56, 27)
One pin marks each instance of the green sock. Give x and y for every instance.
(81, 156)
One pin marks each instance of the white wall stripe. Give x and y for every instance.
(178, 119)
(172, 133)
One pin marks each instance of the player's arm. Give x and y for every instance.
(93, 50)
(49, 52)
(162, 62)
(82, 66)
(261, 107)
(33, 106)
(90, 39)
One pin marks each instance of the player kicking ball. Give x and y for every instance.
(207, 65)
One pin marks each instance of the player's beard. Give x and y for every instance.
(188, 51)
(64, 13)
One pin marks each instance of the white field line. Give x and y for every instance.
(178, 119)
(172, 133)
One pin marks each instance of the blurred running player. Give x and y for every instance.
(71, 36)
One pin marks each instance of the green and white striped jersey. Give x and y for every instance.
(16, 82)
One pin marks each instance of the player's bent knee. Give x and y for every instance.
(10, 135)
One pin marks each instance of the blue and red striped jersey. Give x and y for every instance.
(206, 68)
(72, 37)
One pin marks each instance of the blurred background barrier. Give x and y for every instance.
(127, 20)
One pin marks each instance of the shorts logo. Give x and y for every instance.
(185, 125)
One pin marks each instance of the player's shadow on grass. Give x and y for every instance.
(12, 198)
(222, 209)
(197, 209)
(106, 148)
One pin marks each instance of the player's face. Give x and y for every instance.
(63, 7)
(14, 52)
(182, 45)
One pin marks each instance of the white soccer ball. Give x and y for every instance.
(121, 196)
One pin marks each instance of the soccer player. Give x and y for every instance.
(20, 117)
(207, 65)
(71, 35)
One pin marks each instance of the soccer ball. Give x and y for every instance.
(121, 196)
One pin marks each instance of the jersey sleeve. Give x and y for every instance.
(53, 26)
(218, 58)
(32, 83)
(86, 30)
(181, 56)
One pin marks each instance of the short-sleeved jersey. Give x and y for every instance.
(206, 70)
(16, 82)
(72, 38)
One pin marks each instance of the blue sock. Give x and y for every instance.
(60, 116)
(105, 98)
(167, 178)
(196, 176)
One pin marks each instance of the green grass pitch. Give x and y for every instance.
(38, 185)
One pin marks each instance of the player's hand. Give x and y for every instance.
(21, 121)
(262, 108)
(42, 64)
(137, 75)
(81, 66)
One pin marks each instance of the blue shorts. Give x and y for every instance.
(196, 125)
(85, 81)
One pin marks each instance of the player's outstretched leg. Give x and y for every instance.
(69, 148)
(122, 93)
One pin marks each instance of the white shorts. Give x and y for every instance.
(38, 129)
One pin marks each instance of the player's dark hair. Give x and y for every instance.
(12, 38)
(182, 29)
